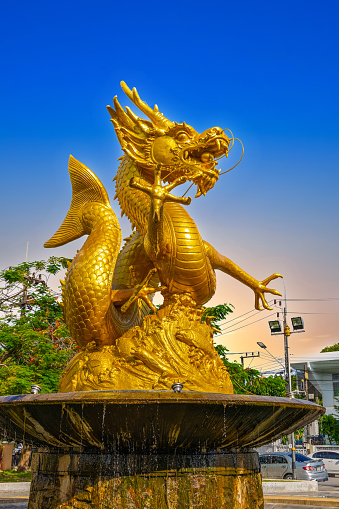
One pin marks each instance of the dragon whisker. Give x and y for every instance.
(231, 139)
(242, 155)
(188, 189)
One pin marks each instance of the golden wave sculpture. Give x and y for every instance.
(107, 292)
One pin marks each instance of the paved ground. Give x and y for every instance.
(279, 506)
(11, 505)
(331, 485)
(326, 496)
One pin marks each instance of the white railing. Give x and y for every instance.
(281, 448)
(326, 447)
(301, 449)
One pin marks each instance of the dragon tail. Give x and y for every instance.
(86, 188)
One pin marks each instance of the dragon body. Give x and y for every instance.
(183, 265)
(107, 292)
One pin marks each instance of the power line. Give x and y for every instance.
(308, 313)
(314, 300)
(270, 364)
(294, 300)
(243, 320)
(248, 318)
(248, 312)
(227, 322)
(247, 324)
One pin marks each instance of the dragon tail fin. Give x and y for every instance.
(86, 188)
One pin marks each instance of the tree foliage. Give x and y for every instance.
(250, 381)
(336, 409)
(216, 314)
(245, 381)
(333, 348)
(329, 425)
(35, 344)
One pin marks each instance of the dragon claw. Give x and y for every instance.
(269, 279)
(142, 290)
(261, 288)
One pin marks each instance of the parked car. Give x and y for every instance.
(278, 465)
(16, 455)
(330, 459)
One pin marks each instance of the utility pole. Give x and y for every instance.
(287, 334)
(248, 355)
(298, 326)
(308, 427)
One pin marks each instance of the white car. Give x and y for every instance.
(278, 465)
(330, 459)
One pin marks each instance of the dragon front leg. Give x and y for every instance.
(155, 238)
(220, 262)
(142, 290)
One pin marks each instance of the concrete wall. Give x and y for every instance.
(324, 383)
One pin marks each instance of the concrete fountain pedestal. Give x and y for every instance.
(149, 449)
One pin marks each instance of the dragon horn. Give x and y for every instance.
(122, 116)
(86, 188)
(158, 119)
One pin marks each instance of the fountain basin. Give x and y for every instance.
(155, 449)
(167, 421)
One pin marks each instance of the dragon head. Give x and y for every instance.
(178, 148)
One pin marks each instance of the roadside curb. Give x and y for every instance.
(279, 488)
(269, 505)
(308, 501)
(13, 500)
(19, 488)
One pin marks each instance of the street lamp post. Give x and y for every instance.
(298, 326)
(287, 334)
(261, 344)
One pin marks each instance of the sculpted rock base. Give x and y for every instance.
(169, 346)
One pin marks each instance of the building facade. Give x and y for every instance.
(322, 372)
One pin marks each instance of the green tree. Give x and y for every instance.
(329, 425)
(245, 381)
(216, 314)
(35, 344)
(333, 348)
(250, 381)
(336, 410)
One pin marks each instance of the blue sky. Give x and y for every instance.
(266, 70)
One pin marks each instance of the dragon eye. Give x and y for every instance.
(182, 137)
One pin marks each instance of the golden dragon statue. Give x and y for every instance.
(107, 293)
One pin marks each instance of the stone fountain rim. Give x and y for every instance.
(155, 396)
(268, 418)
